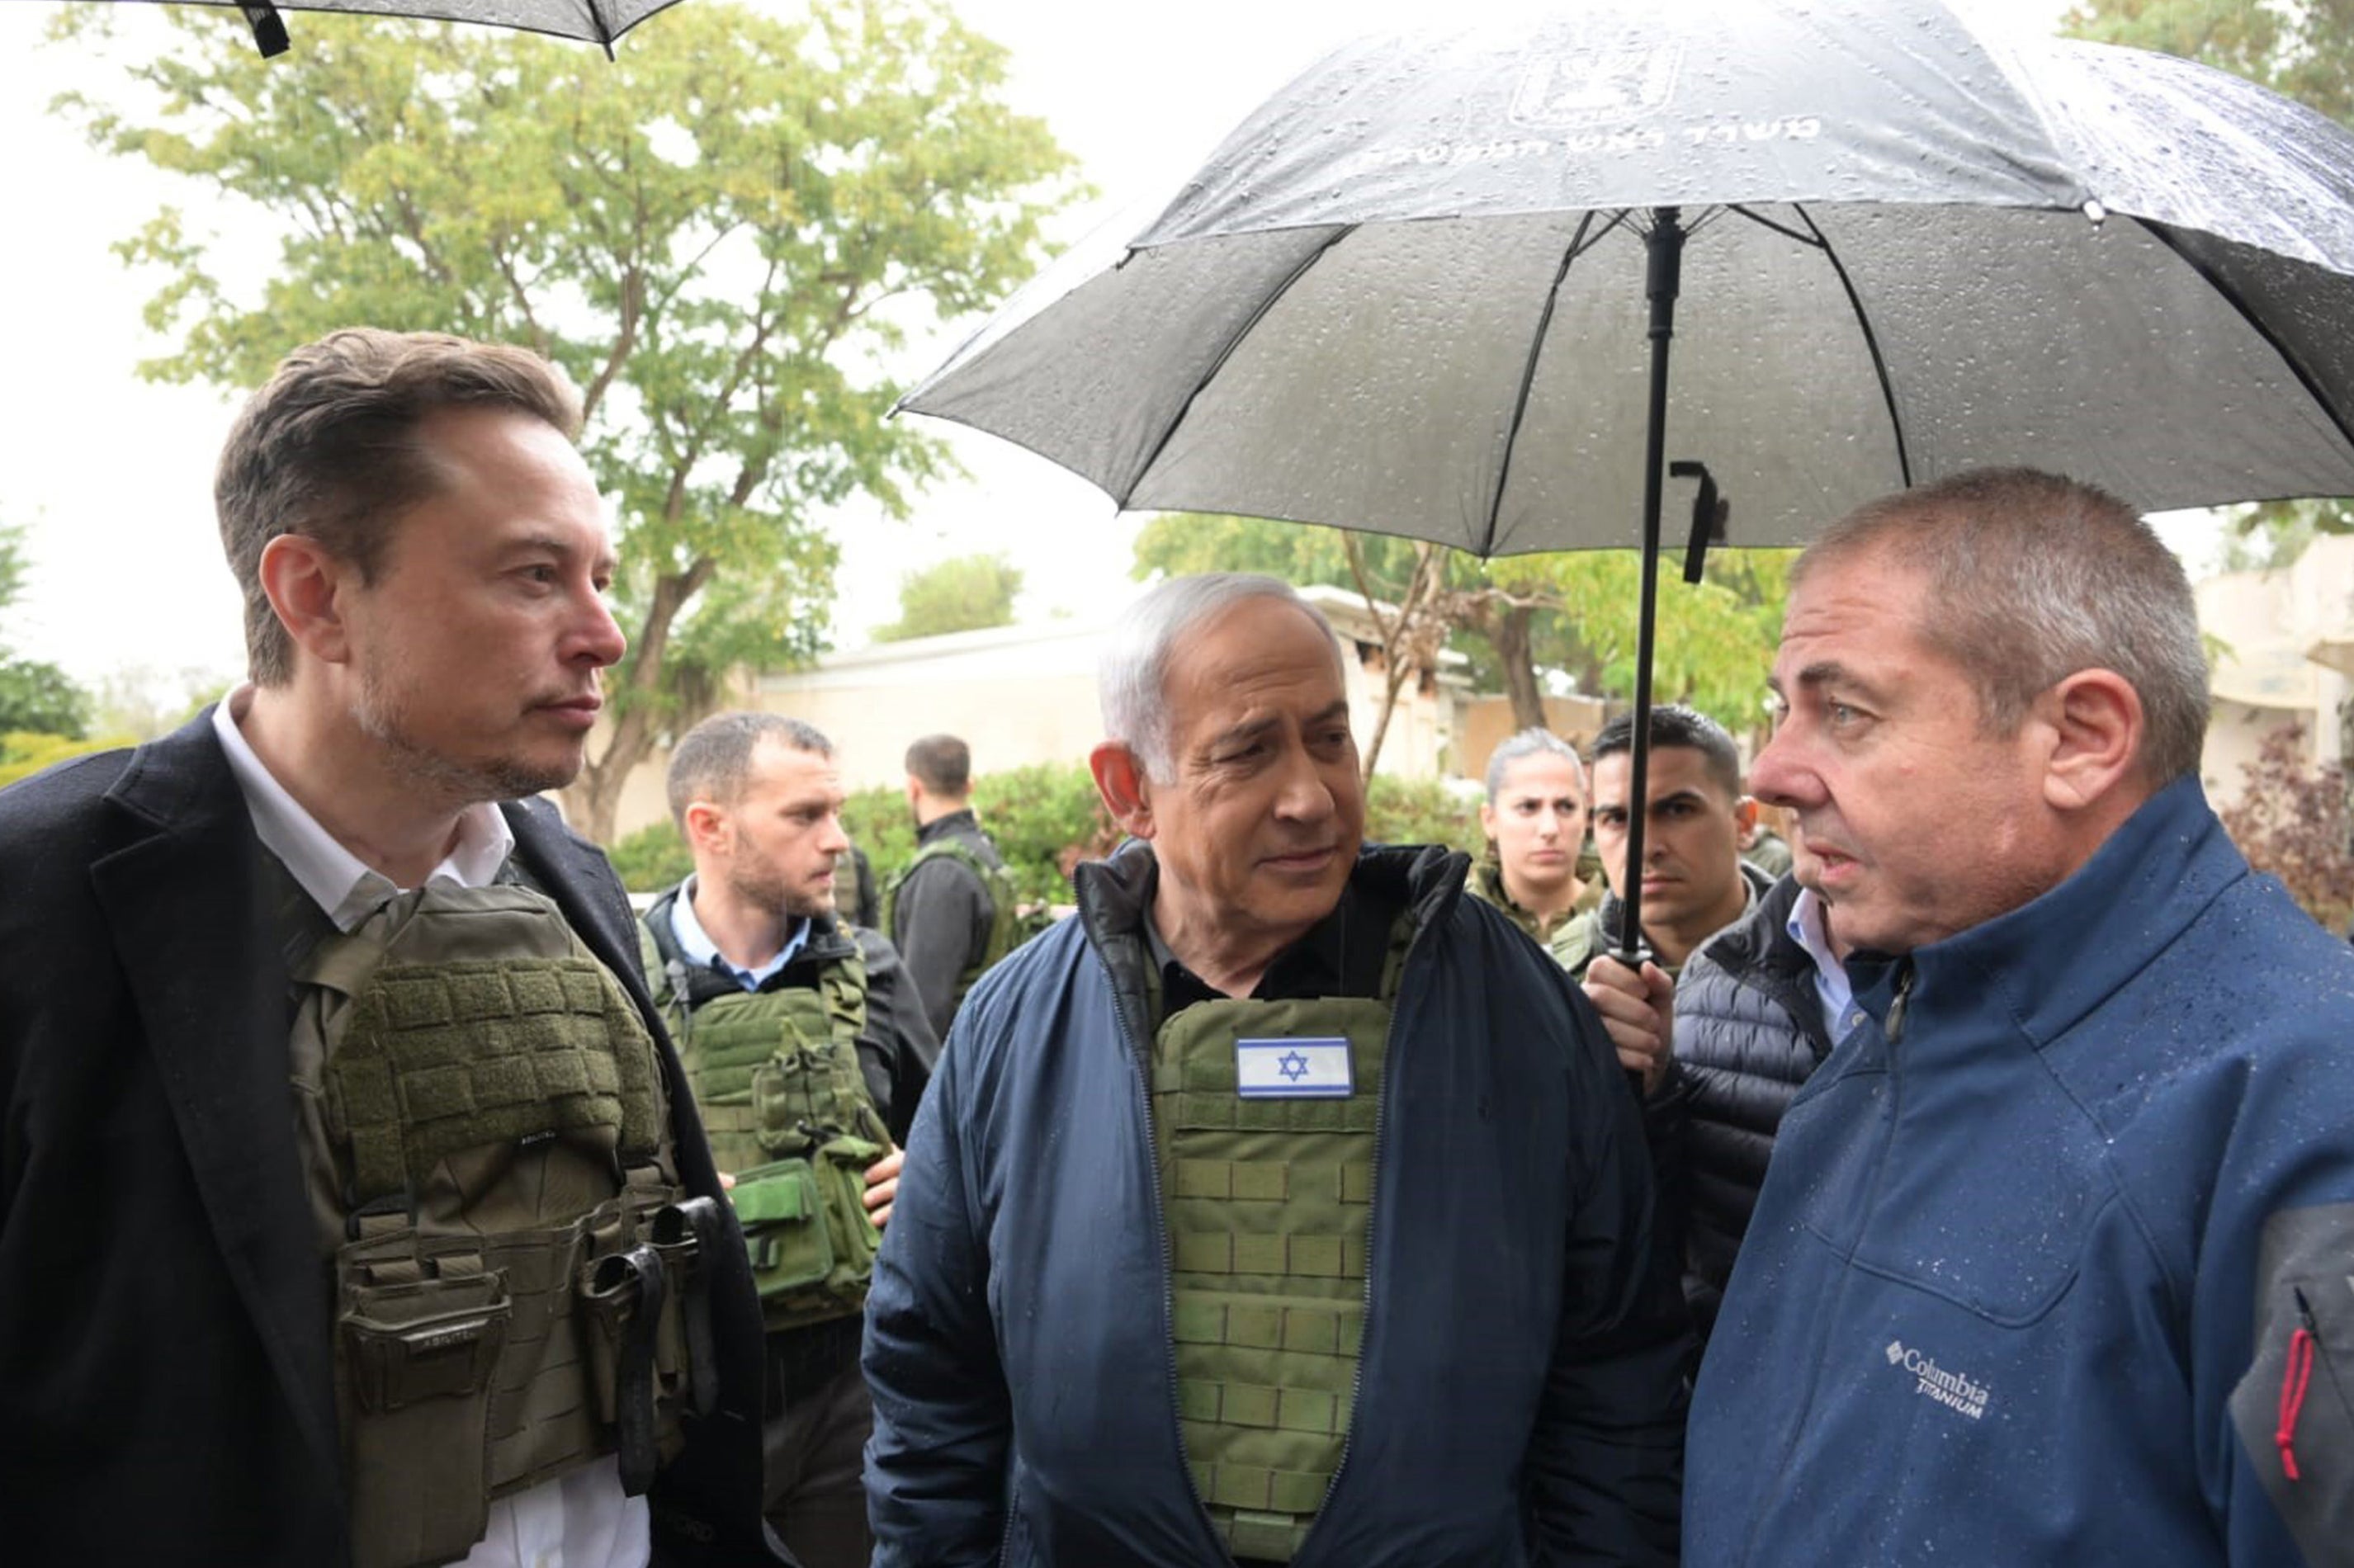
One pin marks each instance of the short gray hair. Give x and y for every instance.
(1132, 673)
(2030, 577)
(1534, 741)
(713, 760)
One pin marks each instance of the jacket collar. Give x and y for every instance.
(1114, 894)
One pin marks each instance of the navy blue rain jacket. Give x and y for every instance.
(2045, 1239)
(1520, 1399)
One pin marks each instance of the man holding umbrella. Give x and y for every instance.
(1285, 1203)
(2050, 1264)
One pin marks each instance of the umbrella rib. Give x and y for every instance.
(1871, 343)
(1579, 243)
(2164, 235)
(1169, 432)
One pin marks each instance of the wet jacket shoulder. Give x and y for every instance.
(1749, 1031)
(2106, 1130)
(1018, 1342)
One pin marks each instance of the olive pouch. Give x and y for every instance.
(417, 1358)
(783, 1212)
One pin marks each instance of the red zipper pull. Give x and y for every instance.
(2297, 1376)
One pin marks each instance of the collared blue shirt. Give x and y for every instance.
(695, 944)
(1806, 928)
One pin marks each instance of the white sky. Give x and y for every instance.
(114, 476)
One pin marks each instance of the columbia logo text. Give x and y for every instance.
(1950, 1388)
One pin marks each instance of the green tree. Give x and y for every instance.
(963, 594)
(721, 236)
(36, 698)
(2302, 50)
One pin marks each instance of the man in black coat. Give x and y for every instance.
(423, 558)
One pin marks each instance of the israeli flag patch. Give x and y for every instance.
(1309, 1069)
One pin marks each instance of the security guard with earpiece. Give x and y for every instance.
(808, 1050)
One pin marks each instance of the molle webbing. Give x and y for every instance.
(788, 1113)
(733, 1037)
(437, 1058)
(1268, 1207)
(517, 1270)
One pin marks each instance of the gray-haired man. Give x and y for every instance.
(1195, 1207)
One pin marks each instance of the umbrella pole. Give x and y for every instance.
(1665, 247)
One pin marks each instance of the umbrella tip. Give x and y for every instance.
(269, 27)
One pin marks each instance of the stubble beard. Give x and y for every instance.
(383, 717)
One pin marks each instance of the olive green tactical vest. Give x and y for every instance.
(1268, 1207)
(1007, 928)
(515, 1275)
(787, 1109)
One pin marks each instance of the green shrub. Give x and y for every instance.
(653, 859)
(1422, 812)
(23, 753)
(1045, 818)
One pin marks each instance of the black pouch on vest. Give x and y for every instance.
(417, 1358)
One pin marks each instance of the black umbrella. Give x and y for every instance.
(1429, 288)
(593, 21)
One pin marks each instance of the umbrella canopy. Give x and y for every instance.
(1409, 293)
(592, 21)
(1429, 288)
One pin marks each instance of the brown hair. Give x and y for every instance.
(328, 448)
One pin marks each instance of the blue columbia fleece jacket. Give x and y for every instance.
(1520, 1395)
(2045, 1242)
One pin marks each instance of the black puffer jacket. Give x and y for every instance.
(1749, 1031)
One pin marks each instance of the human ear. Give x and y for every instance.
(706, 828)
(304, 581)
(1127, 792)
(2094, 722)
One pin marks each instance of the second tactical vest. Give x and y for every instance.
(1268, 1203)
(1008, 929)
(786, 1108)
(516, 1268)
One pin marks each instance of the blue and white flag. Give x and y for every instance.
(1314, 1068)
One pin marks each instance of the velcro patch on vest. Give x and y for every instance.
(1306, 1069)
(442, 1057)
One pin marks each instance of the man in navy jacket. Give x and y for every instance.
(2051, 1262)
(1285, 1204)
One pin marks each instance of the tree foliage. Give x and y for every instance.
(965, 593)
(722, 236)
(2302, 50)
(36, 698)
(2294, 820)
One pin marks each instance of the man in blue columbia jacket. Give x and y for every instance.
(2052, 1264)
(1285, 1205)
